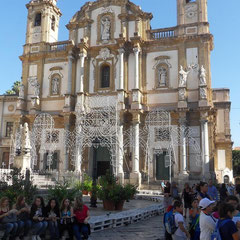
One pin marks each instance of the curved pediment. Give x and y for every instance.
(129, 10)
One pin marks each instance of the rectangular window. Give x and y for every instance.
(162, 134)
(9, 129)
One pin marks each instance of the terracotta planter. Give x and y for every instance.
(84, 192)
(108, 205)
(119, 205)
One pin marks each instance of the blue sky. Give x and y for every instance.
(224, 25)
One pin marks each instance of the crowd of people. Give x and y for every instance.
(202, 212)
(21, 219)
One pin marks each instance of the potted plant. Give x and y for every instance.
(86, 185)
(114, 194)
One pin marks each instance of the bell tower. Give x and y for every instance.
(191, 11)
(43, 21)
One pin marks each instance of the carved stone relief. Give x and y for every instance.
(182, 94)
(203, 92)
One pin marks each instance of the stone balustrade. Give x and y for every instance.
(162, 33)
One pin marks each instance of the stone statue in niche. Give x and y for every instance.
(183, 77)
(202, 76)
(182, 94)
(203, 93)
(105, 28)
(55, 85)
(21, 91)
(162, 77)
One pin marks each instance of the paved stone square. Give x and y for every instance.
(149, 229)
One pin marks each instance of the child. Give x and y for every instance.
(194, 214)
(81, 213)
(66, 214)
(181, 232)
(52, 213)
(38, 214)
(226, 226)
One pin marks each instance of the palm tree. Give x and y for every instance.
(15, 89)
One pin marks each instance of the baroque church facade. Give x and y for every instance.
(119, 95)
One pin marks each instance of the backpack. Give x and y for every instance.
(216, 234)
(169, 222)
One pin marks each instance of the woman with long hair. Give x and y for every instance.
(202, 191)
(66, 218)
(38, 215)
(81, 212)
(8, 219)
(53, 215)
(23, 216)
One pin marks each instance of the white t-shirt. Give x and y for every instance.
(207, 226)
(179, 218)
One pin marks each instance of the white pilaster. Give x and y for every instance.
(121, 68)
(135, 168)
(80, 72)
(205, 147)
(184, 147)
(120, 155)
(70, 60)
(136, 80)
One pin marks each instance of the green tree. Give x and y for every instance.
(14, 89)
(236, 162)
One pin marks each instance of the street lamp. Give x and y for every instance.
(93, 199)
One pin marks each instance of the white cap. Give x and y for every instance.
(205, 202)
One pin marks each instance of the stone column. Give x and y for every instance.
(135, 176)
(78, 153)
(205, 148)
(121, 68)
(182, 122)
(120, 154)
(66, 158)
(136, 51)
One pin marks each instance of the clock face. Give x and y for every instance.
(191, 14)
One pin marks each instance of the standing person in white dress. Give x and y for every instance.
(207, 222)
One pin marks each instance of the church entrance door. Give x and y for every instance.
(103, 161)
(162, 172)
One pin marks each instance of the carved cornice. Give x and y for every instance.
(37, 4)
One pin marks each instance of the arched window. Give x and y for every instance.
(53, 23)
(38, 19)
(105, 76)
(226, 179)
(188, 1)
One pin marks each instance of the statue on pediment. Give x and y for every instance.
(202, 76)
(183, 77)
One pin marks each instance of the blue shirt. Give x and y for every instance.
(212, 192)
(227, 230)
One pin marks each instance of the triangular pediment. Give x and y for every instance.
(128, 7)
